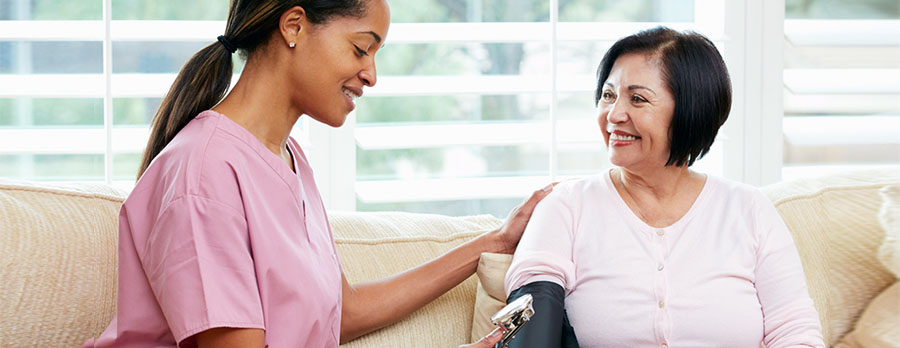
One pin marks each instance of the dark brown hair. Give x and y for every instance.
(205, 78)
(696, 75)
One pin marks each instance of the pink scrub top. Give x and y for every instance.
(219, 232)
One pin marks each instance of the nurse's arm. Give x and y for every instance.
(373, 305)
(225, 337)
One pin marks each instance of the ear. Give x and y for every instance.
(292, 24)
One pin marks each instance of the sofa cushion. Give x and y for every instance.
(879, 324)
(490, 295)
(833, 220)
(57, 262)
(375, 245)
(889, 252)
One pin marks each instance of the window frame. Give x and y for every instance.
(750, 32)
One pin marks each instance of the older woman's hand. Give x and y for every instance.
(509, 234)
(487, 341)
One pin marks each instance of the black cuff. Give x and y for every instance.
(549, 326)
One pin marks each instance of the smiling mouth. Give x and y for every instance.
(351, 94)
(619, 137)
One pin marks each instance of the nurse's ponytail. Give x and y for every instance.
(204, 79)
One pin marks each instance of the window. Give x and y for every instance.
(841, 85)
(76, 95)
(476, 106)
(34, 112)
(477, 103)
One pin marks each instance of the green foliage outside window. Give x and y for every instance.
(842, 9)
(51, 112)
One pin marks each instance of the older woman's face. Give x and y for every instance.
(635, 111)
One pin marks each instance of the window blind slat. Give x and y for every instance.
(842, 32)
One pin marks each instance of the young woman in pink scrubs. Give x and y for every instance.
(224, 241)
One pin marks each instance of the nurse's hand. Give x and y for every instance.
(487, 341)
(512, 229)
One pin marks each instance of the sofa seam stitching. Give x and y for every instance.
(62, 192)
(823, 191)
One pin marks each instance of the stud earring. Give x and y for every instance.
(291, 45)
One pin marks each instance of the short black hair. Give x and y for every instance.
(695, 73)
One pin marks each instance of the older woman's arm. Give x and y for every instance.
(789, 316)
(542, 267)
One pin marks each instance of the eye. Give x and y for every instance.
(360, 52)
(607, 96)
(638, 99)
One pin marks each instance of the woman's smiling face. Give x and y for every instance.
(635, 112)
(335, 60)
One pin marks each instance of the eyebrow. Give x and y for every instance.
(632, 87)
(376, 36)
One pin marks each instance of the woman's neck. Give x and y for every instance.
(258, 102)
(660, 197)
(662, 183)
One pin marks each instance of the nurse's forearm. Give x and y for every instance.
(372, 305)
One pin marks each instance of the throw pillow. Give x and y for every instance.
(490, 295)
(879, 324)
(889, 253)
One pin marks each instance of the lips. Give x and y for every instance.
(620, 138)
(351, 93)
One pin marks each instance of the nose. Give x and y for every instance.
(368, 74)
(618, 112)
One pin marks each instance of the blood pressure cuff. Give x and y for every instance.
(549, 326)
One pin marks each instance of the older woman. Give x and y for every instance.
(652, 253)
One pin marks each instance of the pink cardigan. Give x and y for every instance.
(726, 274)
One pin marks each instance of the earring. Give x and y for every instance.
(291, 45)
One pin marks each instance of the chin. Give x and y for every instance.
(337, 123)
(334, 121)
(617, 164)
(619, 161)
(616, 159)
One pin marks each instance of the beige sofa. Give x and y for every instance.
(58, 259)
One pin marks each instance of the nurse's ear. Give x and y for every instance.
(292, 25)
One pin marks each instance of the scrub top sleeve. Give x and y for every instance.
(199, 264)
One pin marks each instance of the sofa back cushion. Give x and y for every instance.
(375, 245)
(57, 262)
(833, 220)
(58, 265)
(889, 252)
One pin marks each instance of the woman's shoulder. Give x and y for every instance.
(577, 188)
(747, 198)
(199, 161)
(734, 189)
(576, 193)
